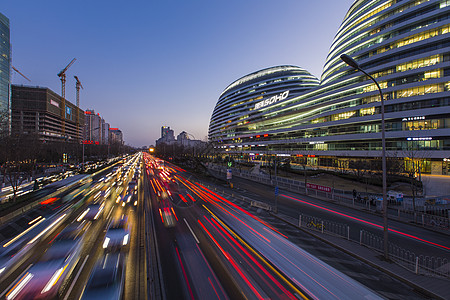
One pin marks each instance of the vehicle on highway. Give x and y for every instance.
(47, 278)
(107, 278)
(117, 236)
(167, 213)
(12, 255)
(92, 212)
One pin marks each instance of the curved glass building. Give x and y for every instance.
(405, 45)
(244, 101)
(5, 66)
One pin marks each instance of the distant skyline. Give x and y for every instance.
(146, 64)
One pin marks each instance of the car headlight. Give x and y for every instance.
(106, 242)
(125, 239)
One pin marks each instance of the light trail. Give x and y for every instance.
(367, 222)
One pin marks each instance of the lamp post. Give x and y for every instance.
(352, 63)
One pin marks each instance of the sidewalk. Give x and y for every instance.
(431, 286)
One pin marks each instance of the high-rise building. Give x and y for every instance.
(93, 127)
(405, 45)
(105, 133)
(115, 136)
(166, 132)
(5, 73)
(37, 110)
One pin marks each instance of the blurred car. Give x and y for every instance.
(117, 236)
(167, 213)
(107, 278)
(132, 187)
(44, 279)
(92, 212)
(13, 255)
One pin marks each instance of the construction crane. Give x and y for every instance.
(78, 86)
(62, 76)
(21, 74)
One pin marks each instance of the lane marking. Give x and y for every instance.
(190, 229)
(76, 278)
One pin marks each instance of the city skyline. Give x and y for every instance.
(147, 65)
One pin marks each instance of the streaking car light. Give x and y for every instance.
(2, 269)
(135, 203)
(46, 229)
(106, 242)
(15, 239)
(21, 284)
(37, 219)
(99, 212)
(54, 279)
(125, 239)
(83, 214)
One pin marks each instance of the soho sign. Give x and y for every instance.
(272, 100)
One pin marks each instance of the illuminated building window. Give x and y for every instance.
(421, 90)
(419, 63)
(343, 116)
(367, 111)
(413, 39)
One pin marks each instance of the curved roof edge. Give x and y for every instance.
(262, 73)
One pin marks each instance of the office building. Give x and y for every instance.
(405, 45)
(105, 132)
(115, 136)
(167, 135)
(37, 110)
(5, 74)
(92, 127)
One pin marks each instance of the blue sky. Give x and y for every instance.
(144, 64)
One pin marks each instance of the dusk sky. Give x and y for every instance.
(144, 64)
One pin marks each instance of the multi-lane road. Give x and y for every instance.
(143, 228)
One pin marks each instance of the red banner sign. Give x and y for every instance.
(318, 187)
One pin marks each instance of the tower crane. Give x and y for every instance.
(21, 73)
(62, 76)
(78, 86)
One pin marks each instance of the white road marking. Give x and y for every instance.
(196, 239)
(76, 278)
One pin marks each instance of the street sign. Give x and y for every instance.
(276, 191)
(229, 174)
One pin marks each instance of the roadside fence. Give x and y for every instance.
(433, 217)
(419, 264)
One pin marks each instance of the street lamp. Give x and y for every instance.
(352, 63)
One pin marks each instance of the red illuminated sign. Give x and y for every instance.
(114, 129)
(318, 187)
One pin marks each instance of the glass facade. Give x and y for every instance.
(5, 67)
(405, 45)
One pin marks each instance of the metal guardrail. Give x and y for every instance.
(419, 264)
(324, 226)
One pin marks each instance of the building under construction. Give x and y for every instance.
(39, 110)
